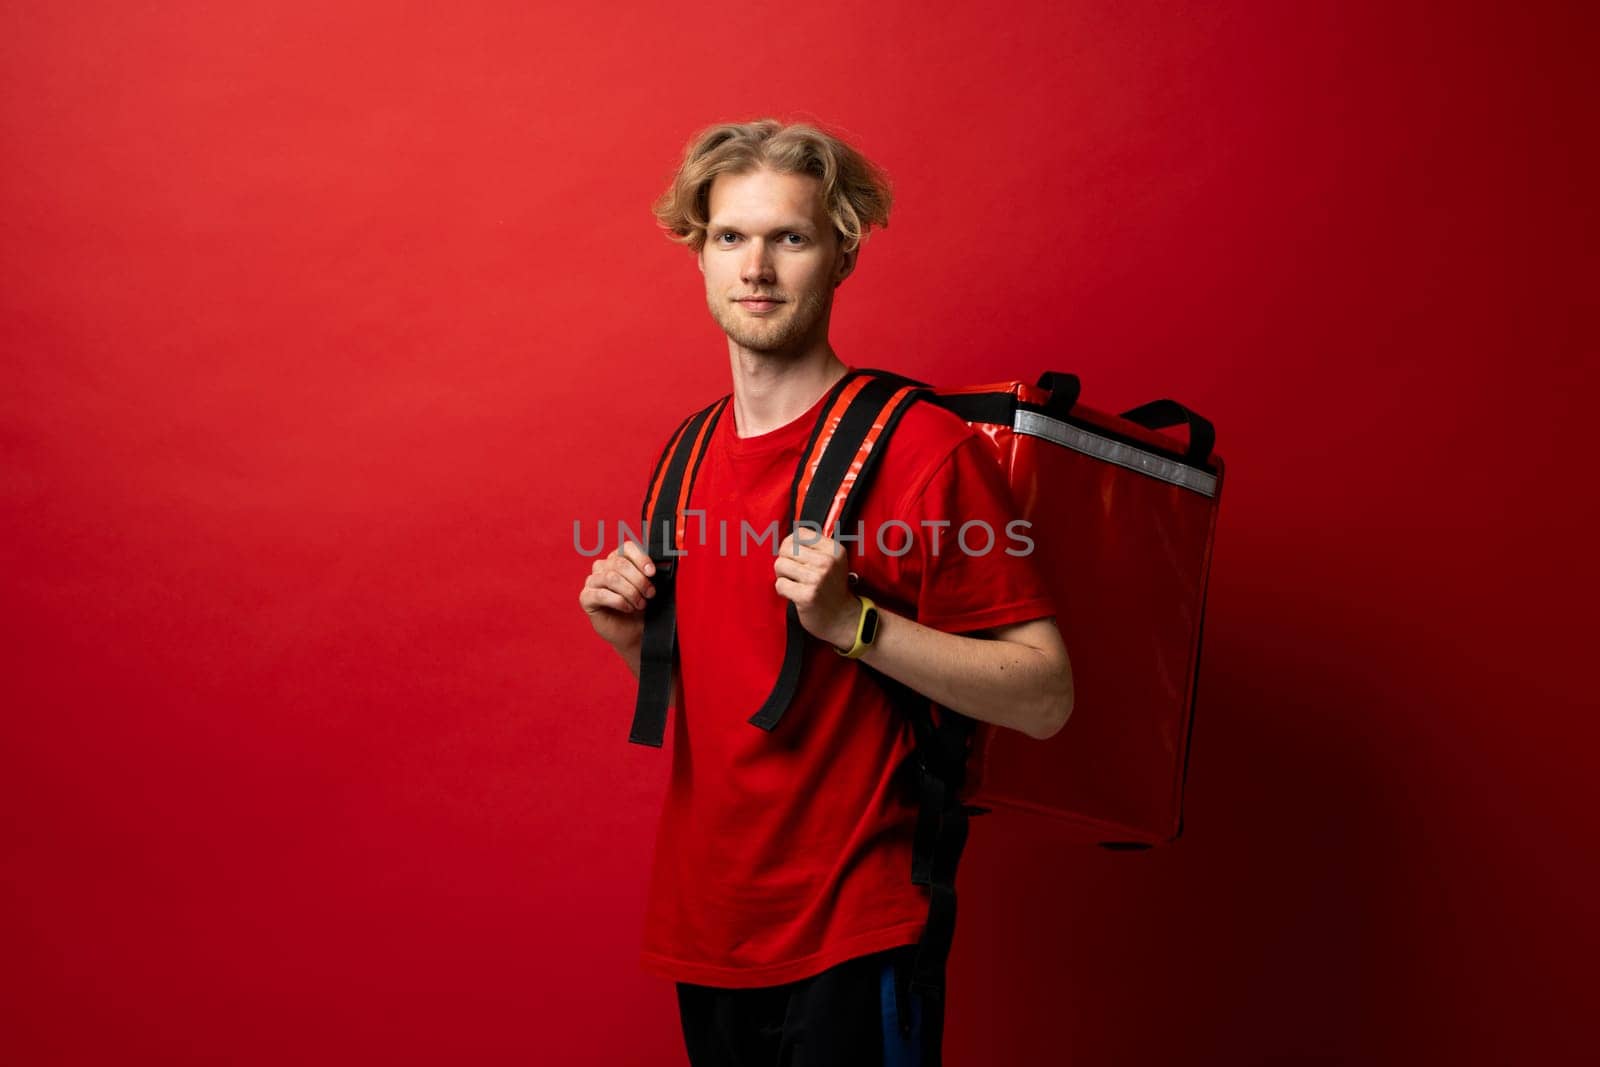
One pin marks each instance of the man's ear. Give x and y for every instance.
(846, 265)
(700, 259)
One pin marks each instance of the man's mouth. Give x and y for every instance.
(759, 303)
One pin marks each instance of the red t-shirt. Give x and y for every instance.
(781, 854)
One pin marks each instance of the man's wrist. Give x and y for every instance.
(865, 635)
(848, 627)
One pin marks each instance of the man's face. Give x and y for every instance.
(769, 236)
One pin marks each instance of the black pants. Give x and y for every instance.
(847, 1016)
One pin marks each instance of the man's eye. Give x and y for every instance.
(799, 238)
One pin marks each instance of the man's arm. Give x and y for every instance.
(1019, 677)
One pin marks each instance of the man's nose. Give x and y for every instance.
(757, 265)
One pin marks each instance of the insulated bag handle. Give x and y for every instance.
(1159, 414)
(1063, 389)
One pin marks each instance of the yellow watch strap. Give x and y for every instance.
(861, 623)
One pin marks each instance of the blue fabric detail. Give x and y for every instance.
(899, 1050)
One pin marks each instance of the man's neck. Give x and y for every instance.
(770, 391)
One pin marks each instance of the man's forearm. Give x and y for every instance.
(1000, 682)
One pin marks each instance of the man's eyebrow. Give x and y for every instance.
(783, 227)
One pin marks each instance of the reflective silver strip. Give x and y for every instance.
(1104, 448)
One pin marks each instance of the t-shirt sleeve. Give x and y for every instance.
(977, 569)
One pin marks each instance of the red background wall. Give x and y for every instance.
(322, 324)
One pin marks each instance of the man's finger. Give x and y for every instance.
(788, 588)
(623, 587)
(798, 541)
(640, 558)
(595, 596)
(610, 578)
(797, 546)
(621, 576)
(827, 546)
(812, 557)
(632, 573)
(793, 569)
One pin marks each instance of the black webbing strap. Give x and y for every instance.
(771, 710)
(878, 403)
(940, 838)
(999, 409)
(667, 495)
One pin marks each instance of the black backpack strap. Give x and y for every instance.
(664, 503)
(940, 839)
(943, 742)
(858, 417)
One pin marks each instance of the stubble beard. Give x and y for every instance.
(773, 334)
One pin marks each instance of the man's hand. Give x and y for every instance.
(614, 593)
(815, 576)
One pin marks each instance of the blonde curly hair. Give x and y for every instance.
(855, 191)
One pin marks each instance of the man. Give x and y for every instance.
(781, 897)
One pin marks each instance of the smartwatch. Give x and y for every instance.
(866, 630)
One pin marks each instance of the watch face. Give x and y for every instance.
(869, 627)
